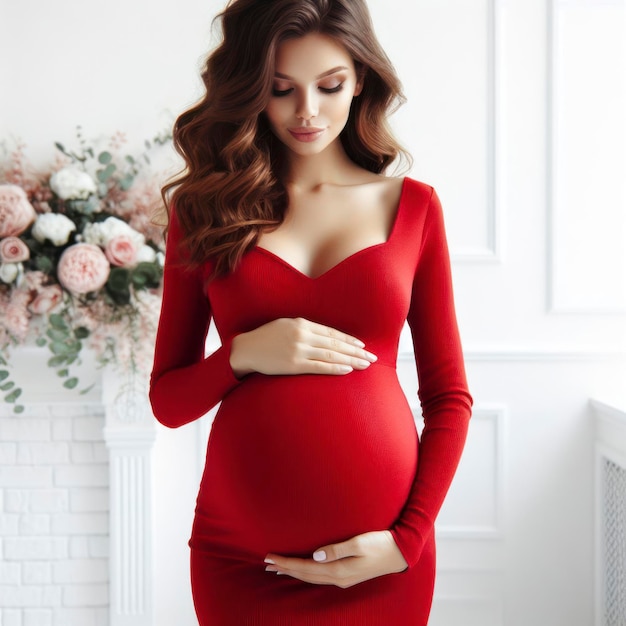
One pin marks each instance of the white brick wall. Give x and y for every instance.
(53, 517)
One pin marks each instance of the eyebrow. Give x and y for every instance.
(323, 75)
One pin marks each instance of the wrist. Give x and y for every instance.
(237, 357)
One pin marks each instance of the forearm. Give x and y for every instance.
(440, 450)
(184, 394)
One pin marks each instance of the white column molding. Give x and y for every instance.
(129, 434)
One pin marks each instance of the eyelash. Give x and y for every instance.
(281, 94)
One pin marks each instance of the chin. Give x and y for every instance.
(307, 149)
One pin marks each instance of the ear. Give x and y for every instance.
(360, 80)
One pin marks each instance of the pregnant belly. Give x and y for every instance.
(295, 462)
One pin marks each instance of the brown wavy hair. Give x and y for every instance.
(231, 189)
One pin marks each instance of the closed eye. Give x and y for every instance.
(336, 89)
(280, 93)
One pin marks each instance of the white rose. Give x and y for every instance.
(72, 184)
(9, 272)
(53, 226)
(160, 257)
(146, 254)
(92, 233)
(101, 233)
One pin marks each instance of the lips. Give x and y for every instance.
(306, 134)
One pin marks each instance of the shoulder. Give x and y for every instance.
(418, 201)
(178, 253)
(418, 191)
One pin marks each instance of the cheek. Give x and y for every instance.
(274, 112)
(339, 107)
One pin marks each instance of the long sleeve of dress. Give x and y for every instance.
(443, 392)
(184, 384)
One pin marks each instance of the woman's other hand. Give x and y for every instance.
(344, 564)
(297, 346)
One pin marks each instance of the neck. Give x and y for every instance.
(332, 166)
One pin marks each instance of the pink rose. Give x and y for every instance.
(47, 298)
(33, 281)
(16, 321)
(83, 268)
(16, 212)
(13, 250)
(121, 251)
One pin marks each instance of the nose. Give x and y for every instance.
(308, 105)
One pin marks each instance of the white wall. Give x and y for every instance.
(515, 114)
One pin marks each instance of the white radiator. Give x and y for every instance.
(610, 515)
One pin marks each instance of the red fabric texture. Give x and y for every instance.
(298, 462)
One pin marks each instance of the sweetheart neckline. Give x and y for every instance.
(348, 258)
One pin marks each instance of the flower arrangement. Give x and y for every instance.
(81, 258)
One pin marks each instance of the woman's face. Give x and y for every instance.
(313, 87)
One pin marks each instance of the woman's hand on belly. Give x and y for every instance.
(344, 564)
(297, 346)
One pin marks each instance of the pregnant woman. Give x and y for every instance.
(317, 503)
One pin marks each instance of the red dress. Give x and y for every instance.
(298, 462)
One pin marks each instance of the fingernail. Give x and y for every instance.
(371, 356)
(270, 568)
(344, 369)
(320, 555)
(268, 560)
(358, 342)
(279, 573)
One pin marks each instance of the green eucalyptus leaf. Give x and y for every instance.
(59, 347)
(105, 157)
(87, 389)
(55, 361)
(106, 173)
(7, 386)
(41, 341)
(71, 383)
(139, 280)
(13, 396)
(57, 321)
(127, 182)
(81, 332)
(130, 159)
(44, 264)
(84, 207)
(91, 205)
(63, 373)
(18, 408)
(147, 275)
(74, 346)
(120, 298)
(60, 146)
(71, 359)
(57, 335)
(3, 361)
(3, 375)
(118, 280)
